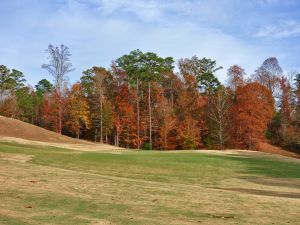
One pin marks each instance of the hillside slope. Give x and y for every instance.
(268, 148)
(21, 132)
(15, 128)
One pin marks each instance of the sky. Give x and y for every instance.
(99, 31)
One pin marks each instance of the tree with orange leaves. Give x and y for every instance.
(49, 111)
(125, 118)
(164, 124)
(78, 110)
(189, 133)
(255, 106)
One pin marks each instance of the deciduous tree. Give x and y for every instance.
(218, 113)
(268, 74)
(235, 76)
(147, 67)
(58, 66)
(78, 110)
(255, 111)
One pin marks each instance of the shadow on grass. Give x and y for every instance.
(264, 192)
(268, 167)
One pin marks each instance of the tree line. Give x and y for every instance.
(141, 102)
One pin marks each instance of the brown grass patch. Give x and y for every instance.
(13, 130)
(15, 157)
(268, 148)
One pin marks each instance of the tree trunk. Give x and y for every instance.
(209, 120)
(59, 117)
(220, 133)
(165, 138)
(101, 118)
(172, 94)
(1, 97)
(172, 99)
(138, 113)
(150, 117)
(96, 131)
(117, 140)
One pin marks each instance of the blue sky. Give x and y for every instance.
(98, 31)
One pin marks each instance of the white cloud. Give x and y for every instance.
(155, 10)
(283, 29)
(98, 31)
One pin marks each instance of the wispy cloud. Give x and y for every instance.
(283, 29)
(98, 31)
(272, 2)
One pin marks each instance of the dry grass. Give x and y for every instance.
(103, 188)
(268, 148)
(12, 130)
(84, 146)
(15, 157)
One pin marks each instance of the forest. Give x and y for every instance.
(144, 101)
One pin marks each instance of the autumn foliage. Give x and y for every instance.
(254, 109)
(141, 102)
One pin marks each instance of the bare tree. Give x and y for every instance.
(58, 66)
(218, 113)
(269, 74)
(100, 75)
(235, 77)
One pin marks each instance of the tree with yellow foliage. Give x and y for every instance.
(78, 110)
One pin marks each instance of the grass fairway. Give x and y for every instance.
(47, 185)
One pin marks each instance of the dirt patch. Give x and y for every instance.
(102, 222)
(15, 157)
(264, 192)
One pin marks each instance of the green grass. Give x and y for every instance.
(145, 187)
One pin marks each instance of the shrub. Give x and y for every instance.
(147, 146)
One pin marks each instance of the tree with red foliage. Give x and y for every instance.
(255, 106)
(49, 111)
(125, 118)
(164, 123)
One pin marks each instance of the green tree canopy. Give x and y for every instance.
(203, 70)
(44, 86)
(144, 66)
(13, 79)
